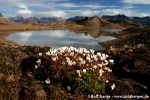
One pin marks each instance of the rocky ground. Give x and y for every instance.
(131, 70)
(131, 37)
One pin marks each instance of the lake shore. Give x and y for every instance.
(130, 70)
(131, 37)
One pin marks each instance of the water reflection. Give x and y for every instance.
(96, 32)
(59, 38)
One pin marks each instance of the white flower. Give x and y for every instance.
(84, 54)
(107, 81)
(36, 66)
(103, 56)
(54, 58)
(95, 58)
(73, 63)
(111, 61)
(68, 88)
(101, 72)
(76, 50)
(40, 54)
(104, 64)
(80, 75)
(88, 58)
(48, 53)
(113, 86)
(92, 56)
(99, 54)
(92, 51)
(47, 81)
(78, 71)
(80, 59)
(70, 63)
(94, 66)
(38, 61)
(72, 54)
(106, 68)
(71, 48)
(64, 48)
(109, 70)
(53, 54)
(84, 49)
(82, 62)
(84, 70)
(55, 50)
(80, 50)
(106, 56)
(87, 52)
(63, 63)
(100, 65)
(68, 59)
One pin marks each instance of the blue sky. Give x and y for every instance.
(71, 8)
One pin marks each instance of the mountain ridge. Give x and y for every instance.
(19, 19)
(121, 17)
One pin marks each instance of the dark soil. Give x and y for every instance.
(131, 71)
(131, 37)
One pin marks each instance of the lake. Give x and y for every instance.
(59, 38)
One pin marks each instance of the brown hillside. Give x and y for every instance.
(96, 22)
(5, 21)
(127, 23)
(112, 25)
(27, 21)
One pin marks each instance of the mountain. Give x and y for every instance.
(5, 21)
(1, 15)
(120, 17)
(17, 19)
(27, 21)
(143, 20)
(51, 19)
(34, 19)
(76, 17)
(95, 22)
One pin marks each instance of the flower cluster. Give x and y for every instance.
(79, 64)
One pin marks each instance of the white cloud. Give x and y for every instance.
(24, 36)
(15, 2)
(54, 8)
(58, 13)
(126, 12)
(73, 13)
(145, 2)
(53, 13)
(24, 11)
(87, 13)
(93, 6)
(67, 5)
(128, 6)
(22, 6)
